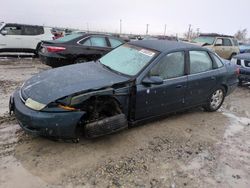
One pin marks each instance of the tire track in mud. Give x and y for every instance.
(8, 135)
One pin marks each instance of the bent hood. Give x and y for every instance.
(54, 84)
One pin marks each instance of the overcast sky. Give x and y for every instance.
(222, 16)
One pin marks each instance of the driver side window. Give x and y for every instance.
(170, 66)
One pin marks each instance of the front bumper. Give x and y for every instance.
(52, 124)
(244, 74)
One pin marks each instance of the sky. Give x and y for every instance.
(220, 16)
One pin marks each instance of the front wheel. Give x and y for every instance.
(215, 100)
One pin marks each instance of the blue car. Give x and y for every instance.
(243, 61)
(134, 83)
(244, 48)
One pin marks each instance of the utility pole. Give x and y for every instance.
(147, 29)
(198, 31)
(165, 29)
(189, 31)
(120, 26)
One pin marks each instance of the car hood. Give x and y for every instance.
(57, 83)
(244, 56)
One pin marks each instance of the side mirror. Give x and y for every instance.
(157, 80)
(4, 32)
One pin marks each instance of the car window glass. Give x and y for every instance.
(98, 41)
(114, 43)
(32, 30)
(200, 61)
(128, 59)
(13, 30)
(170, 66)
(235, 42)
(86, 42)
(217, 61)
(219, 42)
(227, 42)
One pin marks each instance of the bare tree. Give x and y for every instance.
(190, 35)
(241, 35)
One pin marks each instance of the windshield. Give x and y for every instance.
(207, 40)
(68, 38)
(128, 59)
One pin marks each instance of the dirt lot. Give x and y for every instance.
(191, 149)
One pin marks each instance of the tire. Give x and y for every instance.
(80, 60)
(215, 100)
(240, 83)
(37, 49)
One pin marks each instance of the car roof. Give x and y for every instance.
(164, 45)
(214, 35)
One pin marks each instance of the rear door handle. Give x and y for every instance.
(213, 77)
(178, 86)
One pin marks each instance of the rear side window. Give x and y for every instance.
(33, 30)
(170, 66)
(98, 41)
(95, 41)
(235, 42)
(114, 43)
(200, 61)
(13, 30)
(227, 42)
(68, 38)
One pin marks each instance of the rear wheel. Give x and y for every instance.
(240, 83)
(37, 49)
(215, 100)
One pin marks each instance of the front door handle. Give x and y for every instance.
(213, 77)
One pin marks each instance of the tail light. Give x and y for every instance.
(55, 49)
(237, 71)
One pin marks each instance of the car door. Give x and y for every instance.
(31, 36)
(202, 78)
(96, 46)
(228, 48)
(153, 100)
(13, 37)
(219, 48)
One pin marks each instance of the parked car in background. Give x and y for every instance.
(22, 38)
(77, 48)
(243, 61)
(244, 47)
(225, 46)
(133, 83)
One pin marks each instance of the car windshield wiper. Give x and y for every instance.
(112, 70)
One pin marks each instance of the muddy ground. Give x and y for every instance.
(191, 149)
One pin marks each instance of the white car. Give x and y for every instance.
(22, 38)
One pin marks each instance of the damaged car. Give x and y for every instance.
(134, 83)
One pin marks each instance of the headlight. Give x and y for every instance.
(34, 104)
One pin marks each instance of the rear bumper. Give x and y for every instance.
(54, 61)
(52, 124)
